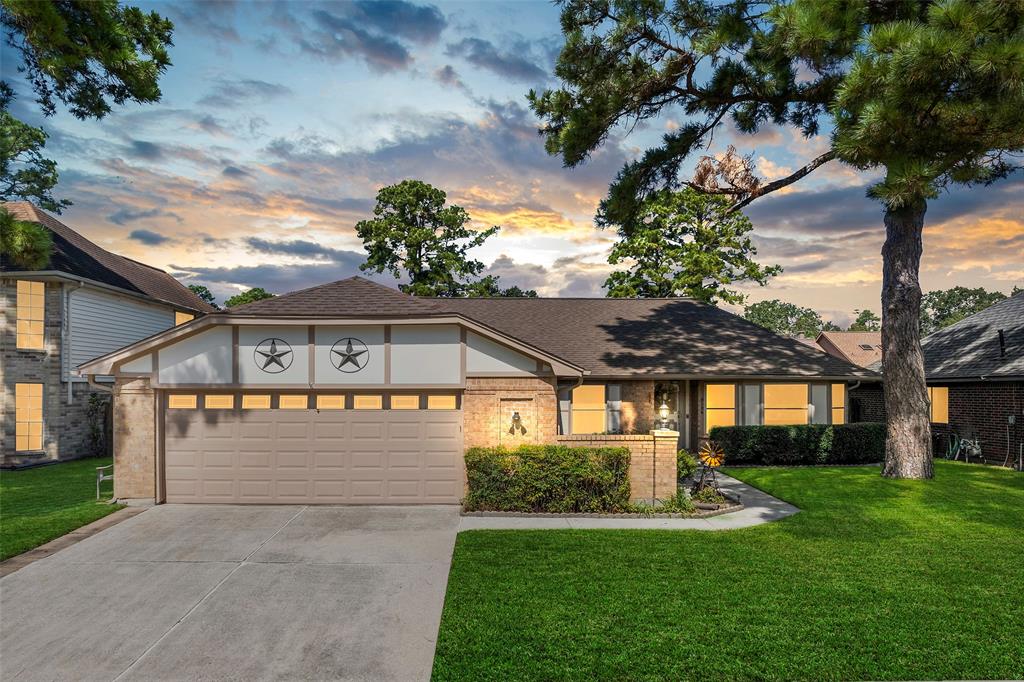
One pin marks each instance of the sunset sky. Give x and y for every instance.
(279, 122)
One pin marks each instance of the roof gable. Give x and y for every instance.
(76, 256)
(351, 297)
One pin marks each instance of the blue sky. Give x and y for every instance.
(279, 122)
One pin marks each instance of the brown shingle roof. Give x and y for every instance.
(860, 348)
(75, 255)
(971, 349)
(352, 297)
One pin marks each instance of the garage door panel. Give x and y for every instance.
(309, 457)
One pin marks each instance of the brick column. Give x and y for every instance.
(134, 441)
(666, 444)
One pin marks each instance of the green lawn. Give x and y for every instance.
(38, 505)
(874, 579)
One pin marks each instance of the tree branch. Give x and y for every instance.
(783, 182)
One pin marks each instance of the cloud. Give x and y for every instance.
(304, 249)
(419, 23)
(235, 172)
(447, 75)
(141, 149)
(148, 237)
(508, 64)
(123, 216)
(214, 18)
(230, 94)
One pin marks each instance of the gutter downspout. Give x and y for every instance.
(65, 345)
(91, 379)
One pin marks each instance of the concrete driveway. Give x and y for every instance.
(236, 592)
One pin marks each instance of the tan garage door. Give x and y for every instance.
(306, 456)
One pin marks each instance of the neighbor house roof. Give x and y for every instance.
(971, 348)
(860, 348)
(677, 336)
(77, 257)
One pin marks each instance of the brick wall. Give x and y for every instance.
(637, 406)
(981, 410)
(134, 440)
(489, 403)
(652, 460)
(867, 403)
(66, 427)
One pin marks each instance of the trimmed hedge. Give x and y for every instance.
(861, 443)
(547, 478)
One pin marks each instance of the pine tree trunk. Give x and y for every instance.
(908, 434)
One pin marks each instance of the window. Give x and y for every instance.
(938, 404)
(838, 403)
(751, 409)
(180, 401)
(588, 409)
(866, 346)
(405, 402)
(253, 401)
(440, 402)
(182, 318)
(31, 306)
(219, 402)
(28, 416)
(330, 402)
(293, 402)
(785, 404)
(367, 402)
(819, 403)
(719, 405)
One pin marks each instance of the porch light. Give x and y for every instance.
(663, 411)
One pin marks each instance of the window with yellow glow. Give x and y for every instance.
(588, 409)
(405, 402)
(330, 402)
(182, 318)
(719, 406)
(368, 402)
(440, 402)
(255, 401)
(219, 402)
(31, 307)
(181, 401)
(28, 416)
(785, 404)
(838, 403)
(938, 404)
(293, 402)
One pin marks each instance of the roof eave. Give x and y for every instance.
(50, 275)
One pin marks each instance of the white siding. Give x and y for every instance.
(201, 359)
(484, 356)
(425, 354)
(372, 367)
(140, 365)
(296, 358)
(102, 322)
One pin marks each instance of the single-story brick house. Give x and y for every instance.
(352, 392)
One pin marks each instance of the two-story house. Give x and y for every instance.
(86, 302)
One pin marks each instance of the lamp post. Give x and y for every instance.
(663, 411)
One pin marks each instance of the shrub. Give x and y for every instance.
(677, 504)
(686, 464)
(708, 496)
(547, 478)
(861, 443)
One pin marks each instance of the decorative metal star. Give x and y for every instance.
(274, 357)
(348, 356)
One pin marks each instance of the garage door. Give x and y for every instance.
(310, 456)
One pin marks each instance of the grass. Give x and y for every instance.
(874, 579)
(38, 505)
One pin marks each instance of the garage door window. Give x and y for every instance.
(293, 402)
(441, 402)
(219, 402)
(255, 402)
(405, 402)
(330, 402)
(181, 401)
(368, 402)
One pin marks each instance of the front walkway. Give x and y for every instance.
(758, 507)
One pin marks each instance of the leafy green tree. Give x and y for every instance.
(685, 244)
(23, 245)
(84, 54)
(488, 287)
(24, 172)
(203, 293)
(415, 234)
(929, 93)
(945, 307)
(250, 296)
(786, 318)
(866, 321)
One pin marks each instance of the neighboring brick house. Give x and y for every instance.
(84, 303)
(975, 375)
(352, 392)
